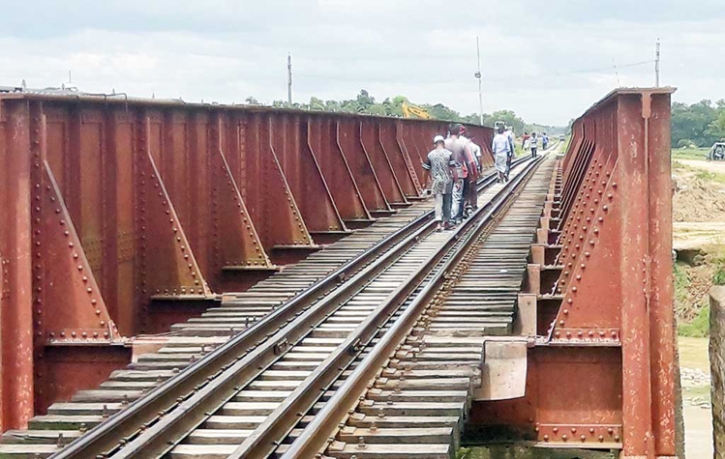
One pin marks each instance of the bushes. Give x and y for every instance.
(698, 328)
(686, 143)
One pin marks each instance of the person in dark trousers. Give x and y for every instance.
(533, 142)
(438, 164)
(512, 144)
(461, 170)
(470, 196)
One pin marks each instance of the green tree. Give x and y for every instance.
(316, 104)
(695, 122)
(364, 103)
(441, 112)
(364, 100)
(716, 129)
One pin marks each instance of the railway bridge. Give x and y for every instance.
(208, 281)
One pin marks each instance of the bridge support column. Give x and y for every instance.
(717, 368)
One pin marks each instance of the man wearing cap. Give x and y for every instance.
(439, 165)
(501, 148)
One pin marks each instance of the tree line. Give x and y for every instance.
(698, 125)
(366, 104)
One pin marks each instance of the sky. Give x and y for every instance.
(546, 60)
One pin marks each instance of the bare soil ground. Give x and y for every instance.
(700, 195)
(699, 223)
(696, 235)
(717, 167)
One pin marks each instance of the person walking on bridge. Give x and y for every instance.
(534, 144)
(501, 147)
(472, 154)
(439, 166)
(464, 171)
(476, 150)
(512, 144)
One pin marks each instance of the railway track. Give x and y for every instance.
(272, 395)
(416, 406)
(270, 305)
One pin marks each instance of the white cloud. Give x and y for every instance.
(548, 63)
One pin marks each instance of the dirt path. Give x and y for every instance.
(710, 166)
(695, 235)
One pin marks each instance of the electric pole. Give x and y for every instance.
(657, 65)
(480, 90)
(289, 79)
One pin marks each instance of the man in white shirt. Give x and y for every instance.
(501, 148)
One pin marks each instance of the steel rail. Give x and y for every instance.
(153, 407)
(277, 425)
(170, 430)
(316, 434)
(175, 425)
(142, 413)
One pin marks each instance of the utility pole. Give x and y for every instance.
(289, 79)
(480, 90)
(657, 65)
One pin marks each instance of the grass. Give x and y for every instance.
(697, 328)
(718, 278)
(710, 176)
(689, 153)
(700, 325)
(694, 353)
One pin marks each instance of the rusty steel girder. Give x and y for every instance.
(121, 217)
(601, 362)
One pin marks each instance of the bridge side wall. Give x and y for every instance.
(121, 216)
(602, 372)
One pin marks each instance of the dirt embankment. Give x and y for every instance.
(698, 200)
(699, 204)
(699, 234)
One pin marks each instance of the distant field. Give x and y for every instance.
(689, 153)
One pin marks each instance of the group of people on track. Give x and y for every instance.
(455, 164)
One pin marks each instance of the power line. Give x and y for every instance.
(502, 78)
(571, 72)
